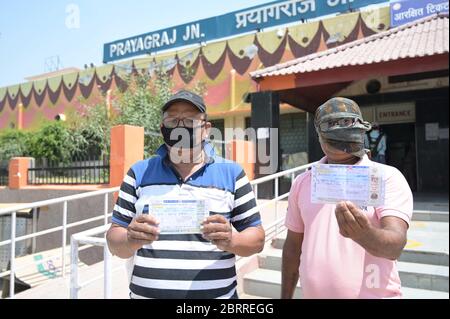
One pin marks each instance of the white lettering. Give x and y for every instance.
(112, 50)
(156, 38)
(127, 47)
(187, 309)
(437, 8)
(120, 49)
(174, 36)
(148, 42)
(140, 45)
(165, 39)
(411, 13)
(307, 5)
(333, 3)
(264, 14)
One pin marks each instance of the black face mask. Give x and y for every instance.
(182, 137)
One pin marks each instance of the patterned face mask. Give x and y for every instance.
(339, 123)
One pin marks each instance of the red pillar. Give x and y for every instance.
(19, 125)
(244, 153)
(18, 172)
(127, 148)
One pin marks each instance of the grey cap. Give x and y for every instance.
(347, 139)
(186, 96)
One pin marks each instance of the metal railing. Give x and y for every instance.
(80, 171)
(90, 236)
(105, 215)
(4, 175)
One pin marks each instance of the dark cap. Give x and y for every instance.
(186, 96)
(349, 139)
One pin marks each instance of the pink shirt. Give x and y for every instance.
(335, 267)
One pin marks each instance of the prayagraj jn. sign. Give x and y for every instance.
(263, 16)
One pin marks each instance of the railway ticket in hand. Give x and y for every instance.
(362, 185)
(178, 216)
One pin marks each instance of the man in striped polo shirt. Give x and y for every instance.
(190, 266)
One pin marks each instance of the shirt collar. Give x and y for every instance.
(364, 161)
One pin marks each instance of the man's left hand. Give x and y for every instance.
(353, 223)
(218, 230)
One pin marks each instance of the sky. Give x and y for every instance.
(33, 31)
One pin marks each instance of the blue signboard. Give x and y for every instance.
(247, 20)
(404, 11)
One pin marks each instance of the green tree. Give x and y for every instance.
(140, 105)
(91, 131)
(14, 143)
(54, 142)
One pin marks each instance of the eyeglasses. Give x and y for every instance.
(173, 122)
(340, 123)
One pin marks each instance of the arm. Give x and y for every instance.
(247, 242)
(292, 251)
(387, 241)
(218, 230)
(124, 242)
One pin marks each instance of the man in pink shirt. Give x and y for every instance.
(345, 251)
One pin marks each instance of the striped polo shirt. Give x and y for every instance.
(186, 265)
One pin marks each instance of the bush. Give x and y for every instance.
(91, 131)
(14, 143)
(53, 142)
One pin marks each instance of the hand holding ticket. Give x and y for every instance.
(362, 185)
(143, 230)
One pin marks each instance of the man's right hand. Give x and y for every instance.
(143, 230)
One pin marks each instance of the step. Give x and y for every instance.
(423, 276)
(266, 283)
(428, 226)
(414, 293)
(428, 243)
(430, 216)
(408, 255)
(414, 275)
(434, 204)
(425, 257)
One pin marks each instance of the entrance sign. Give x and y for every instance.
(396, 113)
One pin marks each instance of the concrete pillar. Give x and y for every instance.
(127, 148)
(18, 172)
(108, 103)
(19, 125)
(266, 122)
(233, 88)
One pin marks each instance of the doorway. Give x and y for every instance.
(401, 150)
